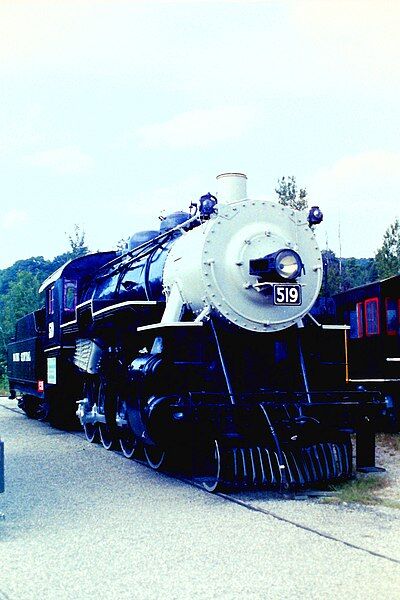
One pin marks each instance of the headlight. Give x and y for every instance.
(288, 264)
(283, 264)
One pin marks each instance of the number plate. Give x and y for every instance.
(288, 294)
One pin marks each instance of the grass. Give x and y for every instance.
(362, 490)
(369, 489)
(4, 391)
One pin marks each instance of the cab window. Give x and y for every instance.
(69, 296)
(50, 300)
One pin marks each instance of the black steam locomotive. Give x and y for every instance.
(195, 346)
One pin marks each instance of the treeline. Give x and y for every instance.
(341, 274)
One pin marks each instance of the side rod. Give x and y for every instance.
(223, 364)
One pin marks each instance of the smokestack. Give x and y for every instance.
(232, 187)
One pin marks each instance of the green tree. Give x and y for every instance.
(388, 256)
(289, 195)
(358, 271)
(340, 274)
(122, 244)
(36, 265)
(332, 274)
(22, 298)
(77, 242)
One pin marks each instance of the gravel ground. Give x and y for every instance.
(73, 531)
(387, 455)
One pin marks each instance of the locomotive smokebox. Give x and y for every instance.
(232, 264)
(232, 187)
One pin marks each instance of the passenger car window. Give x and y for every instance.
(353, 324)
(372, 316)
(360, 319)
(392, 319)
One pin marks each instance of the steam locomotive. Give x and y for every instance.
(194, 349)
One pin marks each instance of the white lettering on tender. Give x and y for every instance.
(25, 357)
(52, 370)
(16, 357)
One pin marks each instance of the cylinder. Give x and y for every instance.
(232, 187)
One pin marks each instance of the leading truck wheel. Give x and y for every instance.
(155, 456)
(211, 479)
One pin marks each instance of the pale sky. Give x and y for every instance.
(114, 111)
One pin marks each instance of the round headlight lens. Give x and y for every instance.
(288, 264)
